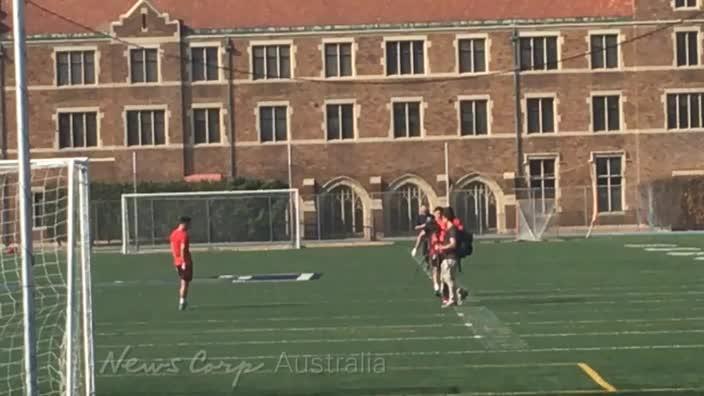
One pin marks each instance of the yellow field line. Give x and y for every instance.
(596, 377)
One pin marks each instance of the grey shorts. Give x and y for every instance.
(448, 270)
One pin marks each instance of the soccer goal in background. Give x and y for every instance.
(58, 319)
(218, 219)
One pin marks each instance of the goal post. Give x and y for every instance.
(218, 218)
(61, 320)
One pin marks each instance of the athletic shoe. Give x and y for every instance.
(463, 294)
(437, 293)
(182, 307)
(447, 304)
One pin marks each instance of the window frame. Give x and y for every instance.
(555, 116)
(677, 93)
(288, 113)
(77, 110)
(272, 43)
(421, 117)
(543, 34)
(353, 57)
(487, 53)
(595, 183)
(82, 49)
(355, 112)
(474, 98)
(130, 74)
(35, 191)
(221, 124)
(606, 94)
(409, 39)
(688, 29)
(619, 52)
(151, 108)
(204, 46)
(696, 6)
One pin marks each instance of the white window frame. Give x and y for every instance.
(208, 106)
(621, 122)
(560, 42)
(556, 118)
(688, 91)
(152, 108)
(489, 118)
(697, 5)
(543, 157)
(270, 43)
(353, 57)
(620, 37)
(38, 190)
(159, 51)
(289, 113)
(595, 183)
(203, 46)
(426, 60)
(487, 52)
(421, 115)
(355, 116)
(700, 47)
(96, 65)
(72, 110)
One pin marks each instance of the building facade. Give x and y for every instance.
(371, 110)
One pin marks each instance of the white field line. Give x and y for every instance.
(649, 245)
(607, 321)
(613, 333)
(278, 329)
(601, 312)
(446, 353)
(673, 249)
(293, 342)
(700, 258)
(685, 254)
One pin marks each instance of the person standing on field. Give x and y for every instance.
(182, 260)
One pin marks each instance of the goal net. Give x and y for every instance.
(535, 213)
(218, 219)
(60, 323)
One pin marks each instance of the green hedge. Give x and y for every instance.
(112, 191)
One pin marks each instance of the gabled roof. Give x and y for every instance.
(262, 14)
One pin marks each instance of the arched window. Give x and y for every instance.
(401, 208)
(340, 213)
(475, 205)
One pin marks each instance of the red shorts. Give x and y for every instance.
(187, 274)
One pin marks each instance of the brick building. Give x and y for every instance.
(365, 96)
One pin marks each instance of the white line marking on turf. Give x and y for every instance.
(601, 321)
(614, 333)
(279, 329)
(305, 277)
(435, 353)
(672, 249)
(649, 245)
(685, 254)
(302, 341)
(700, 258)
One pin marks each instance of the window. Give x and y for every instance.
(473, 117)
(606, 113)
(38, 209)
(406, 119)
(541, 115)
(273, 123)
(78, 130)
(75, 68)
(609, 179)
(604, 51)
(685, 111)
(686, 4)
(338, 60)
(271, 62)
(146, 128)
(687, 48)
(205, 64)
(542, 182)
(472, 55)
(340, 121)
(144, 65)
(538, 53)
(405, 57)
(206, 126)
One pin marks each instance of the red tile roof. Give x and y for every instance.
(243, 14)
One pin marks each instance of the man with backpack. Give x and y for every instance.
(456, 245)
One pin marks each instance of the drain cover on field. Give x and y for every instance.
(292, 277)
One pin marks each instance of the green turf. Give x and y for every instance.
(370, 324)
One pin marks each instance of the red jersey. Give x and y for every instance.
(180, 237)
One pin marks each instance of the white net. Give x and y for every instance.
(59, 274)
(218, 219)
(536, 212)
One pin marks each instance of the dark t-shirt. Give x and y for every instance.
(423, 219)
(451, 233)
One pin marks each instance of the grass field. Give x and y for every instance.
(570, 317)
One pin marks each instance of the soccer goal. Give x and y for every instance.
(535, 213)
(57, 320)
(266, 218)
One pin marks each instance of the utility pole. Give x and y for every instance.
(517, 97)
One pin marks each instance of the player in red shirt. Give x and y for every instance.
(180, 250)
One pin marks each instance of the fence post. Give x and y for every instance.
(317, 216)
(271, 220)
(208, 228)
(151, 215)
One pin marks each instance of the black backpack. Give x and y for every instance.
(465, 242)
